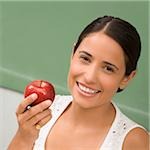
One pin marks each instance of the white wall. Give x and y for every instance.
(9, 101)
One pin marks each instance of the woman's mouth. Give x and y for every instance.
(87, 90)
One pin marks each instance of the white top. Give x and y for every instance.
(114, 139)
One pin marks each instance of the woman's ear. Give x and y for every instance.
(72, 53)
(127, 79)
(74, 44)
(73, 47)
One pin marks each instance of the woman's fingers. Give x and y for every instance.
(43, 122)
(26, 102)
(33, 119)
(34, 111)
(41, 118)
(28, 119)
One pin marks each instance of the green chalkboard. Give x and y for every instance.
(36, 40)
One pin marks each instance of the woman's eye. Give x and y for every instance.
(84, 59)
(109, 69)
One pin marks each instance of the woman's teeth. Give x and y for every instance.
(87, 90)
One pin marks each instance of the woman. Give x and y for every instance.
(103, 62)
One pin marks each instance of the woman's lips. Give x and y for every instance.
(87, 90)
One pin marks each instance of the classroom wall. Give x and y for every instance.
(36, 40)
(9, 100)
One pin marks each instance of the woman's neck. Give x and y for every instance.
(98, 116)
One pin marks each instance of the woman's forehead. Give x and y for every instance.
(103, 48)
(100, 43)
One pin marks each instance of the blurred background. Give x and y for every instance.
(36, 40)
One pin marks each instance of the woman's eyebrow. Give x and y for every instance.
(108, 63)
(105, 62)
(86, 53)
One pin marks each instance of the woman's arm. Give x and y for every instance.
(28, 119)
(137, 139)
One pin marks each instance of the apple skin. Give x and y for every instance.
(42, 88)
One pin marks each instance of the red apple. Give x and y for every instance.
(43, 89)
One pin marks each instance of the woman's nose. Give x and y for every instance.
(91, 75)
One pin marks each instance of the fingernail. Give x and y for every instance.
(34, 96)
(48, 102)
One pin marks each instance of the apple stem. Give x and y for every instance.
(40, 83)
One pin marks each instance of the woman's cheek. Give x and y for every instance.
(110, 84)
(73, 74)
(75, 68)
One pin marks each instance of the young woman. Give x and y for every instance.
(103, 62)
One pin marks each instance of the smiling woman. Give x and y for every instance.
(103, 62)
(106, 71)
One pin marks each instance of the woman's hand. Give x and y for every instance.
(29, 121)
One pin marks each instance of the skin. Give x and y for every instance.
(94, 65)
(27, 120)
(89, 68)
(98, 65)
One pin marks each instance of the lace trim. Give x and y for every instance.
(114, 139)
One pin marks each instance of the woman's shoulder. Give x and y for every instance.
(62, 99)
(134, 135)
(137, 138)
(60, 103)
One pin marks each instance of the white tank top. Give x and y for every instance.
(114, 139)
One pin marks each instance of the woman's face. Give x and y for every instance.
(96, 71)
